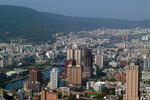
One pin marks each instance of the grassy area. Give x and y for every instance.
(91, 94)
(100, 95)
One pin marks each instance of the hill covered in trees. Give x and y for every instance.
(16, 21)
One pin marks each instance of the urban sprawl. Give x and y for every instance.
(102, 64)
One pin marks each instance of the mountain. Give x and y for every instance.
(16, 21)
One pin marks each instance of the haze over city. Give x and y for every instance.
(74, 49)
(118, 9)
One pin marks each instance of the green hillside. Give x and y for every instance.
(24, 22)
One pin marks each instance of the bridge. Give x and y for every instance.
(58, 64)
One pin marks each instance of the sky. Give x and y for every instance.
(118, 9)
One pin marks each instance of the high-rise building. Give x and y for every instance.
(146, 63)
(86, 63)
(54, 78)
(69, 54)
(35, 81)
(99, 60)
(125, 37)
(100, 50)
(78, 56)
(83, 58)
(69, 62)
(132, 82)
(74, 54)
(86, 59)
(35, 75)
(74, 75)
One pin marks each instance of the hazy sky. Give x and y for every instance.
(122, 9)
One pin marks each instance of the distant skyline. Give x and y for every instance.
(118, 9)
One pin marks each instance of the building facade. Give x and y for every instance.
(83, 58)
(35, 75)
(54, 78)
(99, 60)
(74, 75)
(70, 54)
(45, 95)
(132, 82)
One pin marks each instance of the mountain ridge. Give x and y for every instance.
(16, 21)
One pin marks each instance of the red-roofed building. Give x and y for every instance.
(35, 98)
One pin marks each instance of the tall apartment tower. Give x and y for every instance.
(35, 75)
(146, 63)
(99, 60)
(87, 59)
(87, 63)
(70, 54)
(100, 50)
(83, 58)
(132, 82)
(54, 78)
(74, 75)
(78, 56)
(69, 62)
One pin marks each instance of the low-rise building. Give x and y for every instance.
(97, 86)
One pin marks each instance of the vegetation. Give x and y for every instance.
(80, 89)
(104, 93)
(72, 97)
(27, 23)
(120, 97)
(3, 80)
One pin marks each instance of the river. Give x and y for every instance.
(19, 83)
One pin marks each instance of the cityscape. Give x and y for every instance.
(109, 64)
(57, 56)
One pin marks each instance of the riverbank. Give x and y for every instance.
(46, 68)
(21, 78)
(14, 79)
(18, 83)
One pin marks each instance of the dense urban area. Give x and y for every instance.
(102, 64)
